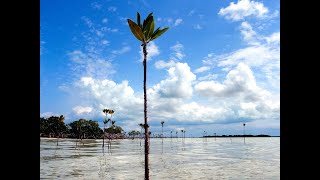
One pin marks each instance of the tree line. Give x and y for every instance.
(55, 127)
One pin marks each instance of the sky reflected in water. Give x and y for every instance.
(192, 158)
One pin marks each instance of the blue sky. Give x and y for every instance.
(217, 67)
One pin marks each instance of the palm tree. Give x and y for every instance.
(145, 33)
(162, 122)
(171, 134)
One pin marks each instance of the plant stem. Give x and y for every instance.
(146, 147)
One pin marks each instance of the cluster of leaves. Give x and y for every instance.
(145, 31)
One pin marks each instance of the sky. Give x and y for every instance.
(217, 67)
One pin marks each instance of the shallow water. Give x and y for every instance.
(192, 158)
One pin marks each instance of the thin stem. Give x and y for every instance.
(146, 148)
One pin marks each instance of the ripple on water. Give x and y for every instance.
(193, 158)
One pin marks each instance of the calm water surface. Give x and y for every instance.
(192, 158)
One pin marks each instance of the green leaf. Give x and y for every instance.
(157, 34)
(145, 23)
(149, 28)
(138, 19)
(136, 30)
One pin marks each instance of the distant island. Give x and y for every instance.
(247, 135)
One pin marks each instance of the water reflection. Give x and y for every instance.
(170, 158)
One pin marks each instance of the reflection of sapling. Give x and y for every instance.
(145, 33)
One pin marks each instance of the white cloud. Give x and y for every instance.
(252, 55)
(238, 80)
(249, 35)
(79, 110)
(86, 64)
(178, 22)
(112, 9)
(240, 92)
(208, 77)
(161, 64)
(244, 8)
(104, 20)
(104, 93)
(152, 50)
(197, 26)
(209, 59)
(178, 51)
(273, 38)
(105, 42)
(123, 50)
(202, 69)
(178, 84)
(195, 112)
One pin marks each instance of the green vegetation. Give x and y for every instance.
(55, 127)
(145, 33)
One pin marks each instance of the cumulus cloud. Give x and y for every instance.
(178, 84)
(79, 110)
(246, 97)
(104, 93)
(238, 80)
(243, 8)
(273, 38)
